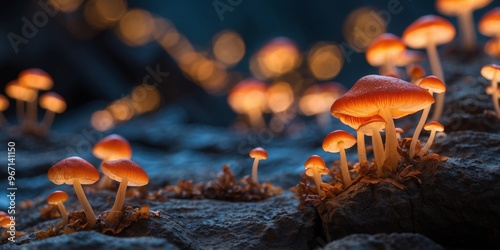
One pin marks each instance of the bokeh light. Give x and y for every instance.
(228, 47)
(102, 14)
(277, 57)
(102, 120)
(318, 99)
(362, 26)
(136, 27)
(66, 6)
(280, 97)
(325, 60)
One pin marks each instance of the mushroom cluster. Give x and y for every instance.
(25, 90)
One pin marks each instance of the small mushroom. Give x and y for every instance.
(54, 104)
(111, 147)
(316, 167)
(429, 32)
(257, 154)
(383, 51)
(415, 73)
(35, 79)
(399, 131)
(372, 128)
(58, 198)
(128, 173)
(77, 172)
(4, 105)
(339, 141)
(21, 94)
(433, 85)
(463, 10)
(492, 72)
(434, 127)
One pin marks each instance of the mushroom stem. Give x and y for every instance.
(20, 112)
(255, 118)
(104, 182)
(343, 165)
(378, 151)
(467, 32)
(361, 148)
(391, 142)
(47, 121)
(418, 129)
(64, 213)
(494, 85)
(3, 120)
(120, 197)
(428, 144)
(89, 212)
(438, 72)
(318, 181)
(255, 166)
(31, 113)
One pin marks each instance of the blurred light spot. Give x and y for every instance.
(228, 48)
(280, 97)
(66, 6)
(318, 99)
(247, 96)
(102, 120)
(362, 26)
(102, 14)
(121, 110)
(145, 98)
(325, 60)
(277, 57)
(136, 27)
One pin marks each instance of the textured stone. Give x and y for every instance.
(404, 241)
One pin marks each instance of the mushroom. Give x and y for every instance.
(383, 51)
(339, 141)
(415, 73)
(58, 198)
(4, 105)
(21, 94)
(257, 154)
(492, 72)
(128, 173)
(408, 58)
(316, 167)
(77, 172)
(433, 85)
(389, 97)
(489, 25)
(492, 47)
(35, 79)
(428, 32)
(432, 126)
(111, 147)
(463, 10)
(372, 128)
(399, 131)
(54, 104)
(249, 97)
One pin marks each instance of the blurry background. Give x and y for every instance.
(99, 51)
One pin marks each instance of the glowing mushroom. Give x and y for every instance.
(54, 104)
(463, 10)
(257, 154)
(428, 32)
(111, 147)
(77, 172)
(339, 141)
(433, 85)
(492, 72)
(383, 51)
(4, 105)
(35, 79)
(58, 198)
(389, 97)
(434, 127)
(21, 94)
(372, 128)
(128, 173)
(415, 73)
(316, 167)
(492, 47)
(399, 131)
(489, 25)
(249, 97)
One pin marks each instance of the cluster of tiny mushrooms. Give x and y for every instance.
(24, 90)
(374, 101)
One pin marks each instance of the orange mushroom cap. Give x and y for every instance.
(4, 103)
(332, 140)
(489, 90)
(433, 125)
(455, 7)
(432, 83)
(376, 122)
(16, 91)
(492, 47)
(53, 102)
(71, 168)
(372, 93)
(35, 79)
(415, 71)
(258, 153)
(383, 47)
(125, 169)
(491, 72)
(428, 29)
(56, 197)
(489, 24)
(112, 147)
(399, 130)
(353, 121)
(315, 161)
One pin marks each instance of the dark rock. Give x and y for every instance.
(404, 241)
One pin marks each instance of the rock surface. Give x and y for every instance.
(404, 241)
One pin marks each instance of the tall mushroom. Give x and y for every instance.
(389, 97)
(316, 167)
(429, 32)
(4, 105)
(434, 127)
(35, 79)
(339, 141)
(489, 25)
(21, 94)
(463, 10)
(257, 154)
(433, 85)
(77, 172)
(109, 148)
(54, 104)
(128, 173)
(492, 72)
(58, 198)
(383, 51)
(372, 128)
